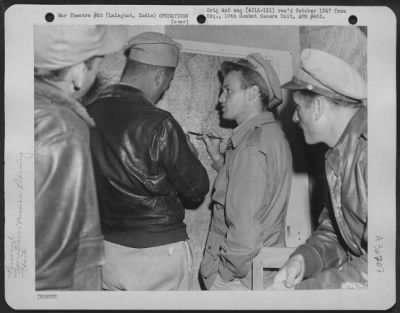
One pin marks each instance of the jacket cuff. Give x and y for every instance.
(225, 273)
(312, 260)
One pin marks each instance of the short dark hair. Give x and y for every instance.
(59, 74)
(306, 96)
(309, 96)
(346, 102)
(249, 78)
(133, 67)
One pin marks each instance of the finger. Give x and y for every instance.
(280, 276)
(210, 133)
(292, 274)
(300, 276)
(274, 286)
(281, 286)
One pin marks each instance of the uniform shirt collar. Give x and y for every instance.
(58, 97)
(356, 128)
(240, 132)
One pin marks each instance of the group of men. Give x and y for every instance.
(112, 179)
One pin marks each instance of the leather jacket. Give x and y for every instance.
(336, 253)
(69, 244)
(144, 169)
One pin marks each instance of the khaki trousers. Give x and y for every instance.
(167, 267)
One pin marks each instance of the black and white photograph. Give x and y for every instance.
(200, 150)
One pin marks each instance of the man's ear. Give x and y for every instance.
(318, 107)
(159, 77)
(253, 93)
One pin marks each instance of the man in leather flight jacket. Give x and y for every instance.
(68, 240)
(330, 102)
(145, 168)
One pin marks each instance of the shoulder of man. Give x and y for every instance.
(364, 134)
(56, 122)
(362, 123)
(265, 136)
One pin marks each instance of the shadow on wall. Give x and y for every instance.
(350, 44)
(307, 160)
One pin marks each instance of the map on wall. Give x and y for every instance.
(193, 99)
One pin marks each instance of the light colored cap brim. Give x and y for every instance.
(326, 71)
(304, 81)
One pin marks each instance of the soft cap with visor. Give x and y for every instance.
(154, 48)
(263, 67)
(327, 75)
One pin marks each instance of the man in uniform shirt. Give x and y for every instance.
(254, 177)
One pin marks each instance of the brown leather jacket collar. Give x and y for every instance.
(57, 97)
(356, 128)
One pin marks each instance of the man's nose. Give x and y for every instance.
(222, 97)
(295, 117)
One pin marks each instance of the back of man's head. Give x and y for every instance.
(151, 61)
(137, 69)
(60, 48)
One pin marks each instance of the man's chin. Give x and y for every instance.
(311, 141)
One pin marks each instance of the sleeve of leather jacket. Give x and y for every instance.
(322, 250)
(185, 171)
(244, 207)
(64, 195)
(351, 275)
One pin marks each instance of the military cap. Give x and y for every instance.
(59, 46)
(154, 48)
(263, 67)
(327, 75)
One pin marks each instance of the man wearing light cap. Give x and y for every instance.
(68, 239)
(146, 169)
(330, 99)
(254, 177)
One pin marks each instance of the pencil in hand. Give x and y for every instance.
(201, 135)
